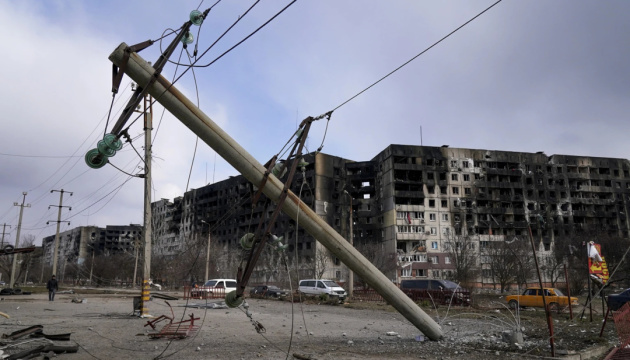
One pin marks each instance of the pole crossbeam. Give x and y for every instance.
(200, 124)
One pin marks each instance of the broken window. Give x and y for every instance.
(466, 176)
(455, 190)
(444, 203)
(431, 203)
(454, 177)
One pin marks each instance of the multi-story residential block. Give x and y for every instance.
(410, 202)
(403, 209)
(77, 244)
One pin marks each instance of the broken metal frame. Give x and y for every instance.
(174, 330)
(208, 131)
(261, 236)
(9, 250)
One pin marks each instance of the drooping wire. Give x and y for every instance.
(224, 33)
(40, 156)
(192, 162)
(413, 58)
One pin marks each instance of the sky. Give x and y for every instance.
(525, 76)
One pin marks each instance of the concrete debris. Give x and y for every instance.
(350, 342)
(79, 301)
(219, 305)
(420, 338)
(391, 333)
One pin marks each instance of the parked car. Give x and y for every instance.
(436, 290)
(322, 286)
(217, 287)
(616, 301)
(532, 297)
(2, 283)
(268, 291)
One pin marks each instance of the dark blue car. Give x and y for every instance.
(616, 301)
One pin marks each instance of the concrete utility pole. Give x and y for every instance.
(4, 226)
(56, 246)
(351, 273)
(199, 123)
(17, 238)
(146, 273)
(207, 252)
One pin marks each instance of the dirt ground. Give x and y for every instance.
(104, 327)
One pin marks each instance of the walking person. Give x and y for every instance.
(52, 287)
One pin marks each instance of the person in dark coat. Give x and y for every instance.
(52, 287)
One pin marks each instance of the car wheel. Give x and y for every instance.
(513, 304)
(553, 306)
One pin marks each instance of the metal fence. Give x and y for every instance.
(203, 292)
(437, 297)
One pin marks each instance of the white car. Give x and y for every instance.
(215, 288)
(322, 286)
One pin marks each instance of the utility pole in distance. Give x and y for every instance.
(17, 238)
(4, 226)
(207, 251)
(56, 247)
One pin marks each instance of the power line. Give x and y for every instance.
(413, 58)
(40, 156)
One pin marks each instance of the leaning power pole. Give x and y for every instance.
(17, 238)
(192, 117)
(56, 247)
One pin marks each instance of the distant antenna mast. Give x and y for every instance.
(420, 135)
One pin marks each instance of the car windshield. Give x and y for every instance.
(558, 292)
(330, 283)
(210, 283)
(450, 285)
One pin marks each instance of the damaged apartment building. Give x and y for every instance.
(407, 203)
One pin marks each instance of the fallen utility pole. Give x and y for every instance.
(199, 123)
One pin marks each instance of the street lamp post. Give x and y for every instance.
(207, 251)
(350, 272)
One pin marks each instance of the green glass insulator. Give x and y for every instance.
(95, 159)
(247, 241)
(104, 149)
(188, 38)
(112, 142)
(233, 301)
(196, 17)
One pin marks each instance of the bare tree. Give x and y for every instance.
(463, 255)
(376, 254)
(322, 261)
(510, 261)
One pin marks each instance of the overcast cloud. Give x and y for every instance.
(527, 76)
